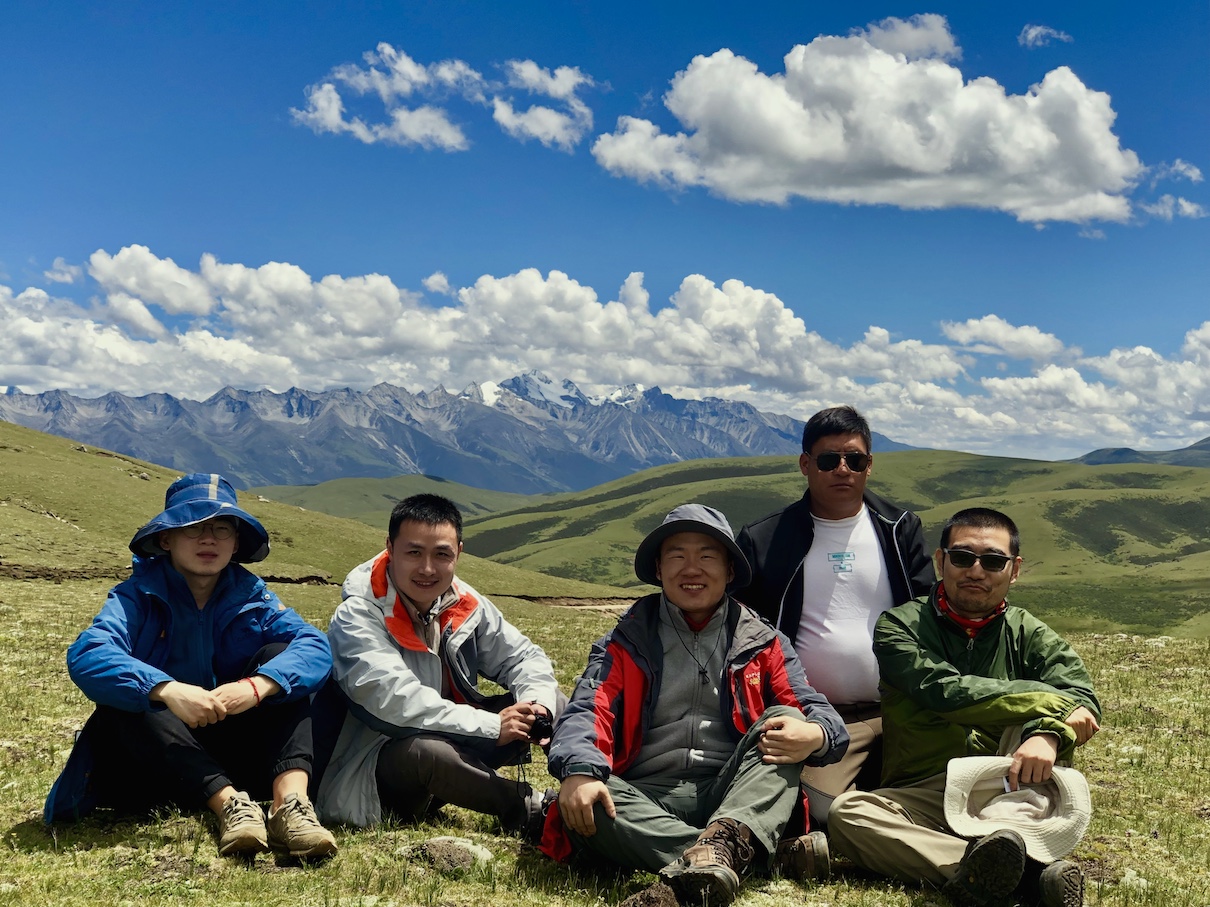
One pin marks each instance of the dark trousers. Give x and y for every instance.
(419, 773)
(149, 759)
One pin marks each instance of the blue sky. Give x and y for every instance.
(985, 225)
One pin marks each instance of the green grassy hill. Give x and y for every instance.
(371, 500)
(1105, 547)
(68, 511)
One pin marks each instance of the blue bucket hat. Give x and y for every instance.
(196, 498)
(691, 518)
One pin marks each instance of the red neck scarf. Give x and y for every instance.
(970, 625)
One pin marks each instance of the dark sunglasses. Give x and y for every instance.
(826, 462)
(963, 559)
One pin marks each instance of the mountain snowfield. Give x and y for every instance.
(528, 434)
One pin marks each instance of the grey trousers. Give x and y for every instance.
(898, 832)
(659, 816)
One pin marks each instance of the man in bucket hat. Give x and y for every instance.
(202, 680)
(965, 674)
(681, 748)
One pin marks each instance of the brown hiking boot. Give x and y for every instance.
(295, 830)
(804, 857)
(709, 871)
(241, 827)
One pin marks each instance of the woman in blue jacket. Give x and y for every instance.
(202, 680)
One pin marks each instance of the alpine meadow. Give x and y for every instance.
(1114, 556)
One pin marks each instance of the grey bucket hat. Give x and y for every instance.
(691, 518)
(196, 498)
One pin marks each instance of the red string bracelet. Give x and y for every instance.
(255, 691)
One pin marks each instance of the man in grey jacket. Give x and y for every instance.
(409, 642)
(823, 569)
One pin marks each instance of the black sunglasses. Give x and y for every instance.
(826, 462)
(963, 559)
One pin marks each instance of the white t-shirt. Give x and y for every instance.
(845, 589)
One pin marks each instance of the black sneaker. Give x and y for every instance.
(1061, 884)
(989, 872)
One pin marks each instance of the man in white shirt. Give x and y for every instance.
(824, 569)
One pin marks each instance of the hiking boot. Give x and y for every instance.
(1061, 884)
(537, 806)
(709, 871)
(804, 857)
(989, 871)
(241, 827)
(295, 830)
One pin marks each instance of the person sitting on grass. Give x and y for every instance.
(680, 750)
(202, 680)
(966, 674)
(410, 641)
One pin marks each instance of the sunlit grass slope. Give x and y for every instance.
(69, 511)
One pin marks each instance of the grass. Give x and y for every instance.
(66, 514)
(1149, 769)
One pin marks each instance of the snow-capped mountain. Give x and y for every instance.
(527, 434)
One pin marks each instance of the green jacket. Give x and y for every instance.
(944, 695)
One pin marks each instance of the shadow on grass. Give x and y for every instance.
(106, 829)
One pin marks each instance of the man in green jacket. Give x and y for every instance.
(963, 673)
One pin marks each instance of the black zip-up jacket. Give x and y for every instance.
(776, 545)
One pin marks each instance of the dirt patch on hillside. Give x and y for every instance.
(61, 574)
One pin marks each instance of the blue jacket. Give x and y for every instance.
(118, 659)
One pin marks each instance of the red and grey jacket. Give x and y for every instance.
(602, 730)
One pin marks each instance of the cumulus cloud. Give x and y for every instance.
(437, 282)
(1178, 169)
(61, 272)
(553, 128)
(156, 325)
(413, 96)
(992, 335)
(1041, 35)
(882, 116)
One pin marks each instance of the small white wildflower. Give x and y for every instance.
(1132, 879)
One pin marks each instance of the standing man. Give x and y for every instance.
(409, 643)
(964, 673)
(202, 680)
(823, 570)
(681, 748)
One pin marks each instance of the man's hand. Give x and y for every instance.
(1084, 723)
(516, 721)
(1033, 761)
(787, 739)
(195, 706)
(577, 796)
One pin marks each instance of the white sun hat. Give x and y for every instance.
(1050, 817)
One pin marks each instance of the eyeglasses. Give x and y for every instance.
(220, 531)
(826, 462)
(963, 559)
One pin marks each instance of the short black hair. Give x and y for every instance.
(837, 420)
(983, 518)
(430, 509)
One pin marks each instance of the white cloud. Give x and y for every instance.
(992, 335)
(1178, 169)
(917, 38)
(881, 117)
(393, 77)
(275, 326)
(61, 272)
(1041, 35)
(1166, 207)
(437, 282)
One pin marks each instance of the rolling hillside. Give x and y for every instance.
(1107, 547)
(68, 511)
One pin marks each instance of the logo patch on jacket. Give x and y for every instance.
(753, 677)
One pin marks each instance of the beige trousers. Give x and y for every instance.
(860, 767)
(898, 832)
